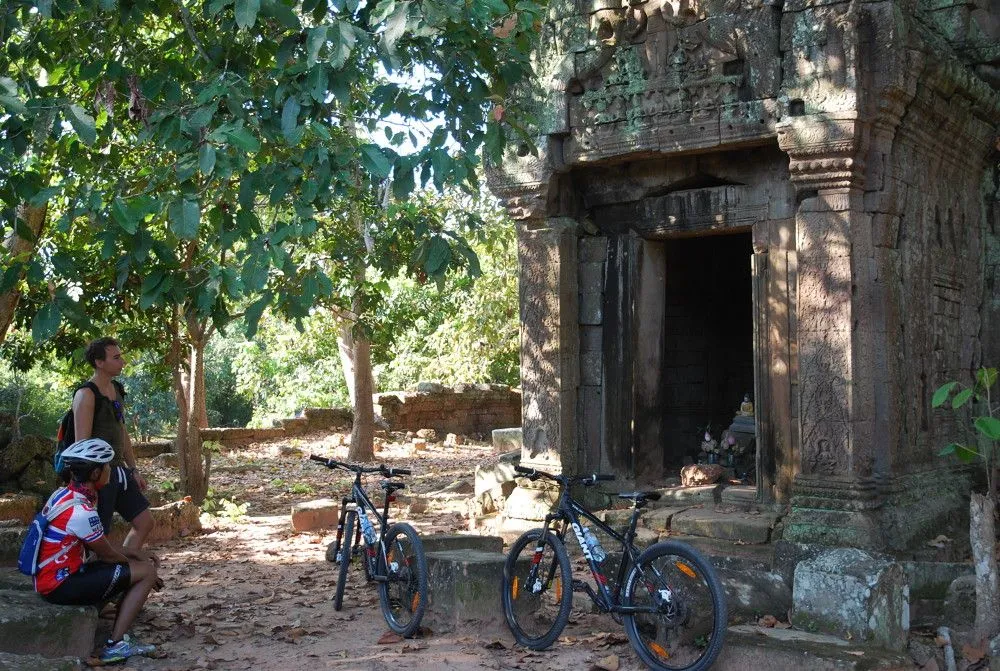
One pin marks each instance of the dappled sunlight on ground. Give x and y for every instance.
(250, 592)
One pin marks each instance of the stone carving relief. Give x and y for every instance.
(825, 416)
(821, 53)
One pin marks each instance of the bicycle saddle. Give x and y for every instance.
(640, 497)
(390, 487)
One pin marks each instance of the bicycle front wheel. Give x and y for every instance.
(537, 589)
(345, 558)
(683, 623)
(403, 595)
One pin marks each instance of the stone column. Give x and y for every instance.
(834, 497)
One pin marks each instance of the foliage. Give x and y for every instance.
(984, 424)
(188, 151)
(283, 370)
(151, 408)
(226, 404)
(37, 397)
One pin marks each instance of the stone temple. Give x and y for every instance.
(793, 199)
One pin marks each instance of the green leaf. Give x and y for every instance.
(253, 314)
(185, 218)
(316, 82)
(123, 216)
(206, 158)
(245, 140)
(46, 322)
(290, 118)
(315, 42)
(202, 116)
(941, 395)
(986, 377)
(438, 255)
(948, 449)
(12, 104)
(246, 13)
(989, 427)
(966, 454)
(961, 398)
(375, 161)
(395, 26)
(82, 123)
(342, 40)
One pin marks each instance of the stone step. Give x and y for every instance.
(19, 507)
(750, 647)
(743, 527)
(11, 578)
(450, 542)
(11, 662)
(463, 585)
(30, 626)
(743, 497)
(677, 495)
(11, 538)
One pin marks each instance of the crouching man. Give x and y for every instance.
(65, 577)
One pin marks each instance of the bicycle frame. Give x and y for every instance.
(363, 504)
(569, 511)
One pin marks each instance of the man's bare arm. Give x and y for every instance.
(84, 403)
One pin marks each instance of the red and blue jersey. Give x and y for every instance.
(65, 536)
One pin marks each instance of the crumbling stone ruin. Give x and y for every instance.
(796, 198)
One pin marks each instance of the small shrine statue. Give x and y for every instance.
(746, 408)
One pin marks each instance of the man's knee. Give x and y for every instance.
(143, 521)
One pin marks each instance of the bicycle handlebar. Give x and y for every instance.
(587, 480)
(381, 468)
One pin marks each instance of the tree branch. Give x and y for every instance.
(189, 29)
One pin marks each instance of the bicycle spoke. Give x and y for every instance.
(536, 597)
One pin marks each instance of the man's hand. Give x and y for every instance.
(141, 481)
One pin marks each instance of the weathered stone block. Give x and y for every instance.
(742, 527)
(172, 520)
(318, 514)
(11, 578)
(700, 474)
(11, 539)
(530, 504)
(659, 519)
(464, 586)
(30, 626)
(19, 507)
(752, 647)
(488, 477)
(960, 602)
(848, 591)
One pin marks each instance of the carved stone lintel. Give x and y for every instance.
(826, 151)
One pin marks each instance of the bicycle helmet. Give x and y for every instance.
(88, 451)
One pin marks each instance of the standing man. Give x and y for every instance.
(101, 414)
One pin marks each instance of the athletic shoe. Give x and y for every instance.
(123, 649)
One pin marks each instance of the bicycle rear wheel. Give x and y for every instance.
(403, 595)
(345, 558)
(537, 589)
(685, 625)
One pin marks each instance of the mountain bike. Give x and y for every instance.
(392, 556)
(671, 602)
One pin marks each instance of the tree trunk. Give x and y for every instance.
(982, 532)
(363, 429)
(15, 246)
(178, 365)
(196, 483)
(345, 345)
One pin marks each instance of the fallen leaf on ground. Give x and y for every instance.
(931, 665)
(609, 663)
(767, 621)
(495, 645)
(388, 638)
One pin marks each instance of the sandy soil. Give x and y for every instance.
(250, 593)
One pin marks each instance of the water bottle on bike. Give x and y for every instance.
(594, 545)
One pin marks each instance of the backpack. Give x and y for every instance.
(66, 433)
(27, 559)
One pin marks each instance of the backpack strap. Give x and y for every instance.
(51, 516)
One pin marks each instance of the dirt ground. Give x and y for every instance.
(250, 593)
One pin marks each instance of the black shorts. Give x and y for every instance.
(94, 583)
(121, 495)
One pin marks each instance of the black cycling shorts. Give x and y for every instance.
(121, 495)
(93, 584)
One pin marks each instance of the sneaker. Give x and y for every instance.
(123, 649)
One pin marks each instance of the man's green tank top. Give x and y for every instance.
(108, 420)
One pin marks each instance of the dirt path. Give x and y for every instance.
(250, 593)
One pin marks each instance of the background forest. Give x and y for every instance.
(462, 329)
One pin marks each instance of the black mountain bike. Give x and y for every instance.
(393, 556)
(671, 602)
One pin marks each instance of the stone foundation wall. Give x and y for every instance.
(463, 409)
(312, 419)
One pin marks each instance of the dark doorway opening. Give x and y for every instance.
(707, 364)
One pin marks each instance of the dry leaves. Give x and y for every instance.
(507, 27)
(974, 653)
(389, 637)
